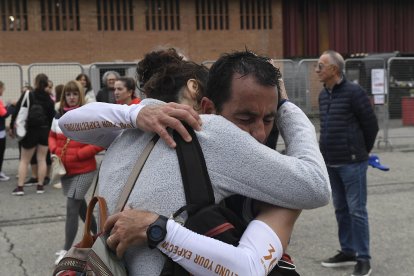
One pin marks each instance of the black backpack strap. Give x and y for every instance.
(196, 181)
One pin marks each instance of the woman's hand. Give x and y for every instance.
(157, 118)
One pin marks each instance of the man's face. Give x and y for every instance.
(252, 107)
(324, 69)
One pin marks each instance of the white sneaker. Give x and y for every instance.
(3, 177)
(58, 185)
(60, 254)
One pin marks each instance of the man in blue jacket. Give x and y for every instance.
(348, 131)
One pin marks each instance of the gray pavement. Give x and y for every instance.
(32, 226)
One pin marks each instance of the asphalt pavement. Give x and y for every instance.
(32, 226)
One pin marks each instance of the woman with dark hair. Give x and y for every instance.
(169, 84)
(87, 86)
(125, 91)
(41, 113)
(153, 62)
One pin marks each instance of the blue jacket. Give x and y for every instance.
(348, 124)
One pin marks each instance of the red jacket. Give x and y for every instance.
(78, 158)
(135, 101)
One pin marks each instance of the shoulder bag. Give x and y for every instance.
(92, 256)
(58, 169)
(21, 120)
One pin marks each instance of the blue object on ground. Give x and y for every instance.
(374, 162)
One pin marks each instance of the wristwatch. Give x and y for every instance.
(157, 231)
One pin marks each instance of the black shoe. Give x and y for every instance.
(40, 189)
(46, 181)
(31, 182)
(340, 259)
(362, 268)
(18, 191)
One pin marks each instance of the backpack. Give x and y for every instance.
(205, 216)
(37, 116)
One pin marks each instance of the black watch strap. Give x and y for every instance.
(157, 231)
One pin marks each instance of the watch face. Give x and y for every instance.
(157, 233)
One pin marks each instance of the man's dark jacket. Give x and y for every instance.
(348, 124)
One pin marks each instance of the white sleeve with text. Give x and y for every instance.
(258, 252)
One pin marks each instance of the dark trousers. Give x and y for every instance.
(2, 150)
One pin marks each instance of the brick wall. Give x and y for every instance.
(89, 45)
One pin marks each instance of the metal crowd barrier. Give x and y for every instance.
(58, 73)
(300, 79)
(11, 74)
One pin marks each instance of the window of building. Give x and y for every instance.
(255, 14)
(115, 15)
(60, 15)
(13, 15)
(162, 15)
(212, 14)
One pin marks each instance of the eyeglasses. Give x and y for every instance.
(321, 65)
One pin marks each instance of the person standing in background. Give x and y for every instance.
(38, 126)
(348, 131)
(106, 94)
(5, 111)
(33, 162)
(125, 91)
(87, 86)
(79, 161)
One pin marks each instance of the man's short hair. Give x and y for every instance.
(336, 59)
(244, 63)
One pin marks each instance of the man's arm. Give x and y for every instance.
(366, 117)
(100, 123)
